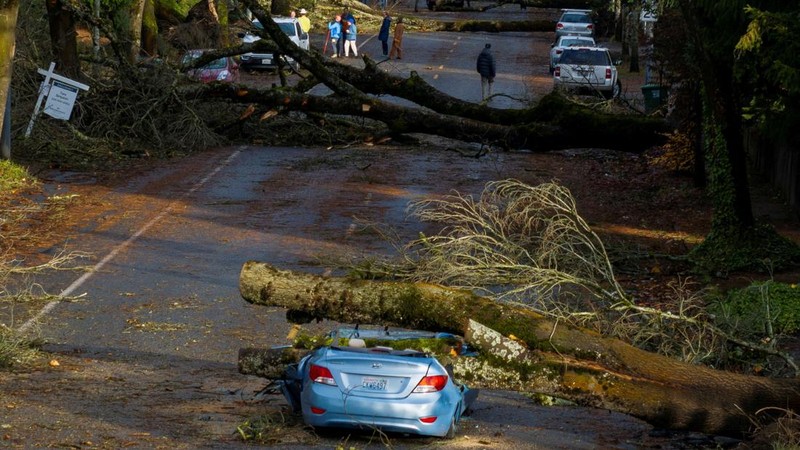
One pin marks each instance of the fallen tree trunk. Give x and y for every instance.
(572, 363)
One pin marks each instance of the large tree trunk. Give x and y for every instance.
(8, 27)
(149, 30)
(63, 38)
(137, 17)
(565, 361)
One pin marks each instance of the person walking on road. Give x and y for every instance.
(383, 34)
(335, 29)
(487, 69)
(350, 40)
(397, 41)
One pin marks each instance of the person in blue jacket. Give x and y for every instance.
(350, 40)
(383, 34)
(335, 29)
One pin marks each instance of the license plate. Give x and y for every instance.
(373, 384)
(266, 61)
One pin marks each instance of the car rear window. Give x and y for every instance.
(568, 42)
(576, 18)
(587, 57)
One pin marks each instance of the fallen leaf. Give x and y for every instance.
(54, 363)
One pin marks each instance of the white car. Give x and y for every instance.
(567, 41)
(575, 22)
(288, 25)
(587, 69)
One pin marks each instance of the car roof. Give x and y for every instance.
(585, 48)
(576, 36)
(576, 10)
(278, 19)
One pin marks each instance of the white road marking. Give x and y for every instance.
(79, 282)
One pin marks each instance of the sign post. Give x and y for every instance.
(61, 93)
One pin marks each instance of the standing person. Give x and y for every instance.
(345, 24)
(383, 34)
(304, 21)
(292, 14)
(347, 15)
(487, 69)
(350, 40)
(335, 28)
(397, 41)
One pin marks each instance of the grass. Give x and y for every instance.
(13, 177)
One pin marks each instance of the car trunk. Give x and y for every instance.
(376, 375)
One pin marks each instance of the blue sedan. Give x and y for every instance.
(356, 385)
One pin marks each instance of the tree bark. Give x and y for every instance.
(63, 38)
(137, 17)
(565, 361)
(8, 27)
(149, 30)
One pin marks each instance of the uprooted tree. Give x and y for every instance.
(559, 359)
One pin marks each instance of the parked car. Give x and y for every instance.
(567, 41)
(433, 5)
(587, 69)
(288, 25)
(575, 22)
(223, 69)
(357, 382)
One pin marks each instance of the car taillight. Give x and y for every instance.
(559, 25)
(323, 375)
(557, 72)
(429, 419)
(608, 73)
(316, 410)
(433, 383)
(559, 51)
(589, 27)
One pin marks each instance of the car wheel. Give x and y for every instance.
(451, 432)
(617, 90)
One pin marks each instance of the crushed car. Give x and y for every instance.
(379, 379)
(223, 69)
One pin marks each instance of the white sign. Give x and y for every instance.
(61, 93)
(648, 16)
(60, 100)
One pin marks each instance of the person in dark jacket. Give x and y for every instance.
(383, 34)
(487, 69)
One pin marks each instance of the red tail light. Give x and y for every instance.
(559, 25)
(589, 27)
(433, 383)
(430, 419)
(557, 72)
(559, 51)
(608, 73)
(316, 410)
(320, 374)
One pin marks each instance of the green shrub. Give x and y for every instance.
(761, 309)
